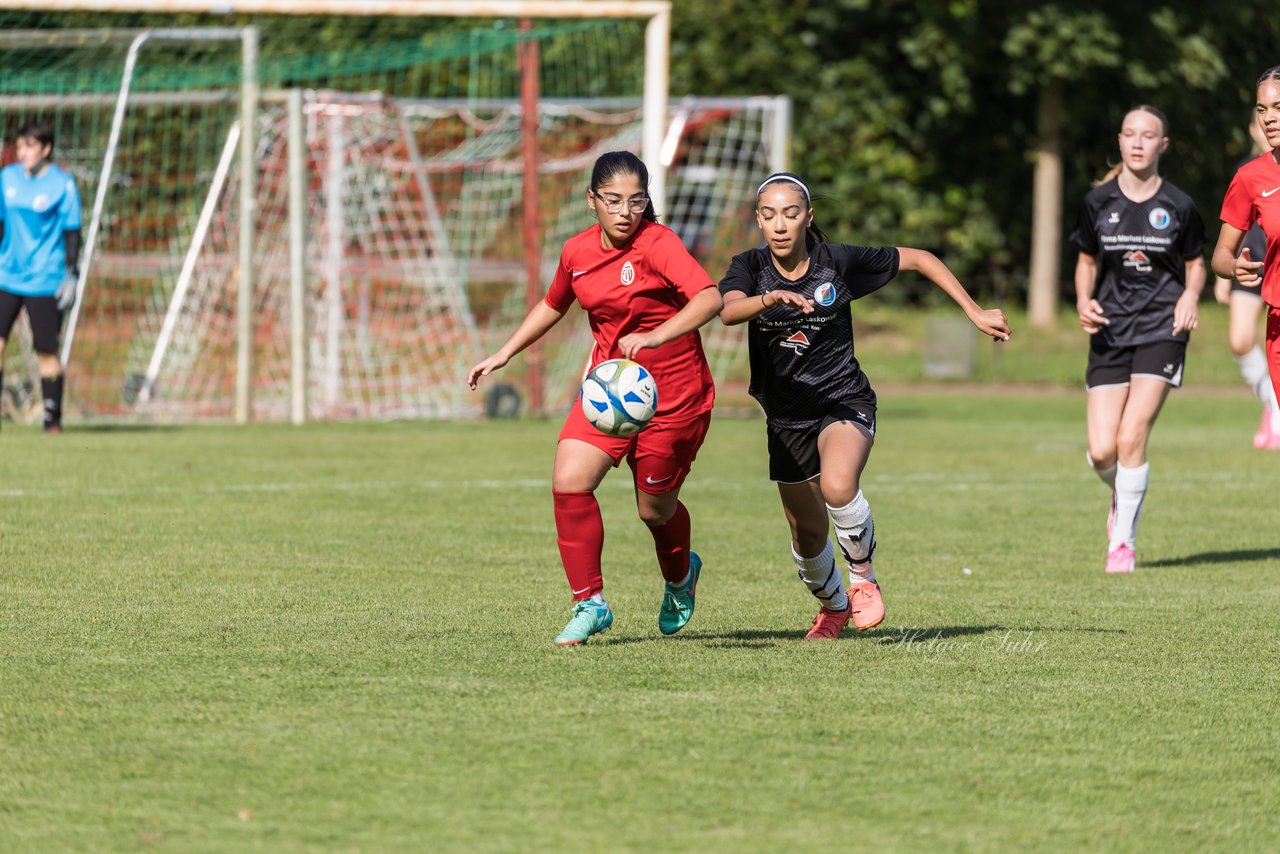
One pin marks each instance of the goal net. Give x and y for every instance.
(413, 174)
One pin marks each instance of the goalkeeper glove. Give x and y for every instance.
(67, 291)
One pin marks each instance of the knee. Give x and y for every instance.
(1241, 341)
(655, 515)
(840, 493)
(1131, 443)
(1102, 455)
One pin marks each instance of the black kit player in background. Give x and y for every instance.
(1244, 305)
(1138, 280)
(796, 293)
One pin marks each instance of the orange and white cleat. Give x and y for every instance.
(828, 624)
(867, 605)
(1120, 559)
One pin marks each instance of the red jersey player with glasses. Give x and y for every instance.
(1254, 196)
(645, 297)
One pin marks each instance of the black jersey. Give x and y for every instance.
(1142, 249)
(802, 364)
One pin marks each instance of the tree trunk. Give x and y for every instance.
(1046, 222)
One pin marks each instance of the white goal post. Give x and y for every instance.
(656, 14)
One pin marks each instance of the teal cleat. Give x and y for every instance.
(677, 602)
(588, 619)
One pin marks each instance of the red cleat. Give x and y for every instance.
(867, 605)
(828, 624)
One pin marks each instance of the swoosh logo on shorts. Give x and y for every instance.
(649, 480)
(1266, 193)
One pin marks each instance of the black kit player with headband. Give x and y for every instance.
(795, 294)
(1138, 281)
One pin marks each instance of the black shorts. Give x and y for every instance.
(1113, 366)
(46, 320)
(1237, 288)
(793, 453)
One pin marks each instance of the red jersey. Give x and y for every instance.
(636, 289)
(1254, 196)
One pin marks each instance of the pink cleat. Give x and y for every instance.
(1120, 559)
(827, 625)
(1264, 433)
(867, 605)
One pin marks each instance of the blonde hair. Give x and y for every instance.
(1115, 170)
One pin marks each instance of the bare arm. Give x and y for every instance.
(704, 306)
(1092, 317)
(1186, 314)
(990, 321)
(1230, 263)
(536, 323)
(739, 308)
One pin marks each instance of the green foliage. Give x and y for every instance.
(916, 118)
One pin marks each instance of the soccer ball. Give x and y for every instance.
(619, 397)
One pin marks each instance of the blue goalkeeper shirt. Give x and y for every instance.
(35, 211)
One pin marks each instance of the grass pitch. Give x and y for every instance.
(339, 638)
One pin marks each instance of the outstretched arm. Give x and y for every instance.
(990, 321)
(696, 312)
(536, 323)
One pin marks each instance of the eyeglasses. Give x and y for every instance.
(613, 206)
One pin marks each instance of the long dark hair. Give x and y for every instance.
(814, 234)
(614, 164)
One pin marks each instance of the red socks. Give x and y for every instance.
(671, 542)
(580, 535)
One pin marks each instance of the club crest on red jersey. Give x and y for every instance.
(797, 341)
(628, 274)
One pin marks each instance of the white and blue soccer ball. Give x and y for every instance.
(619, 397)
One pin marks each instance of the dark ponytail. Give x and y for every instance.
(814, 233)
(614, 164)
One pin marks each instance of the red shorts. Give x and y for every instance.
(660, 455)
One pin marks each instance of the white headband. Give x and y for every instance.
(796, 181)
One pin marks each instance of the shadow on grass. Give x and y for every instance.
(761, 638)
(124, 428)
(1238, 556)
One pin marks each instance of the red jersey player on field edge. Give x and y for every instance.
(645, 299)
(1254, 196)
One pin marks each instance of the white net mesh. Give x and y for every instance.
(414, 260)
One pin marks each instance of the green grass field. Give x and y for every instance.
(339, 638)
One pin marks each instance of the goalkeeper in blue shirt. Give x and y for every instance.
(39, 254)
